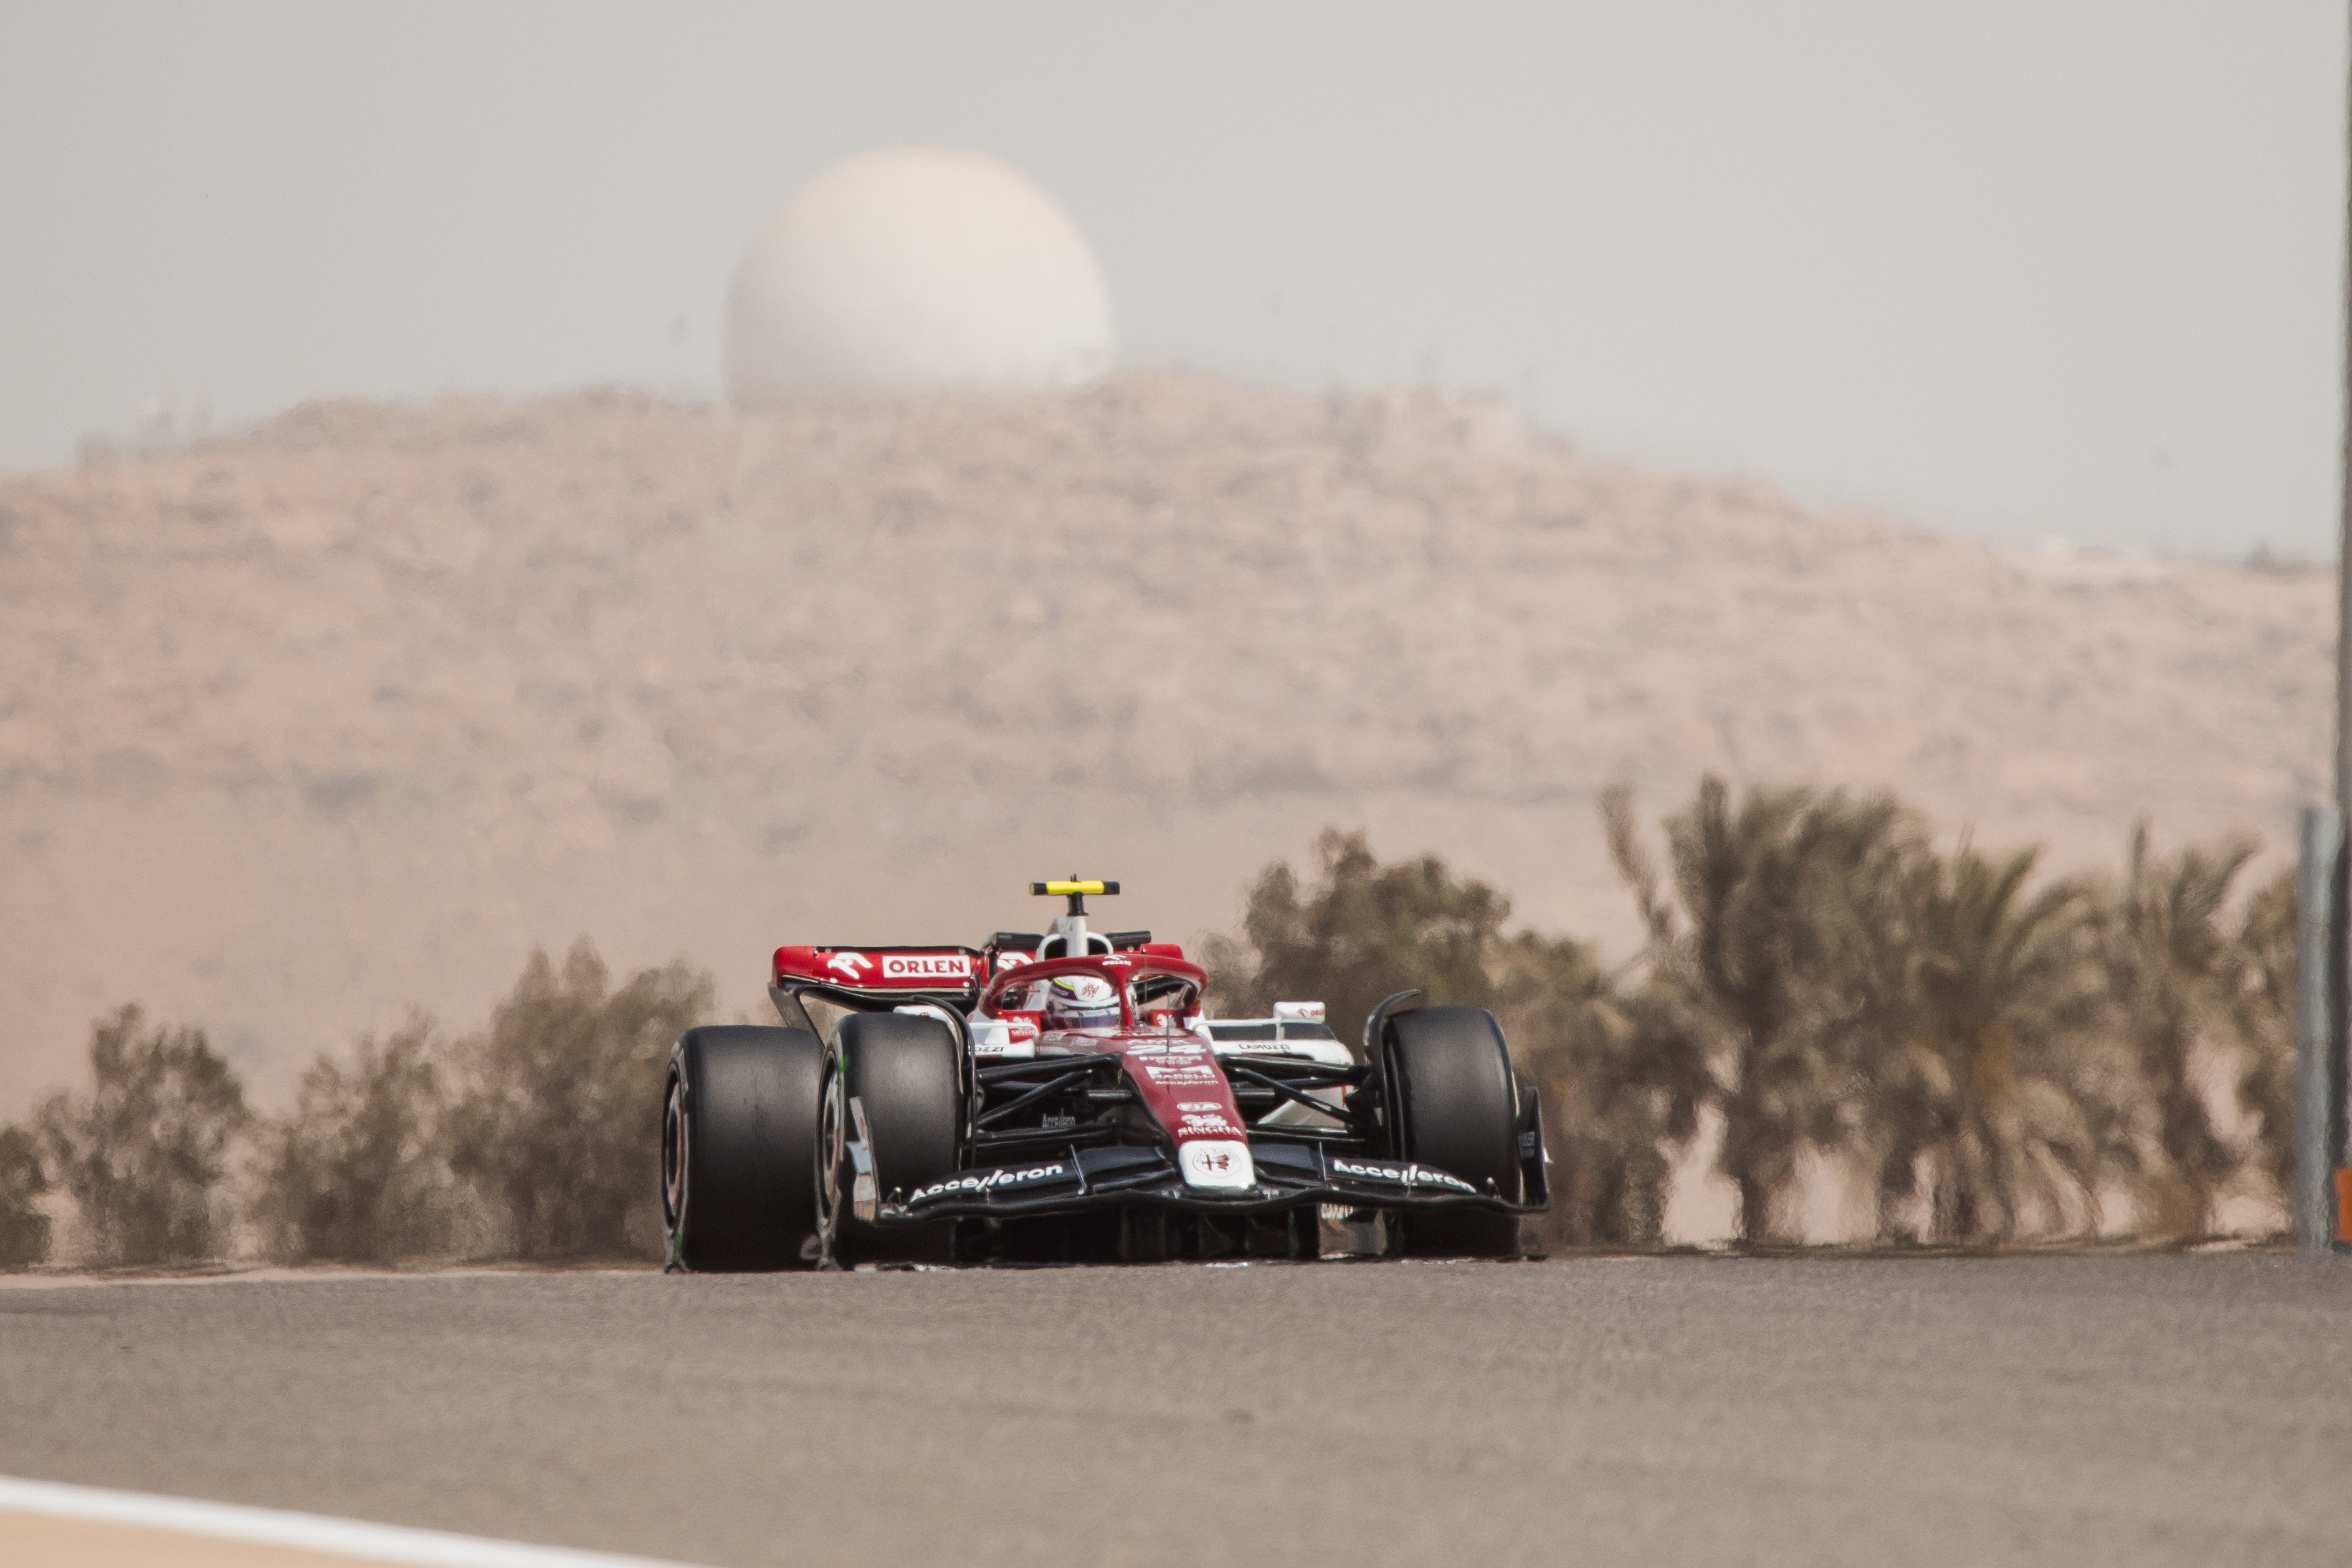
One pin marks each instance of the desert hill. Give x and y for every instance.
(345, 714)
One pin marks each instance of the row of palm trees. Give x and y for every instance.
(1999, 1055)
(1990, 1053)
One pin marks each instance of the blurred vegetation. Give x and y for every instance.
(533, 1139)
(1989, 1054)
(358, 1173)
(1621, 1081)
(536, 1138)
(1345, 940)
(1772, 891)
(557, 1124)
(146, 1153)
(2171, 968)
(1983, 1053)
(2263, 1020)
(24, 1229)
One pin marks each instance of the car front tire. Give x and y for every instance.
(905, 1074)
(1455, 1106)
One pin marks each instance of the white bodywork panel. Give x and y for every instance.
(1217, 1162)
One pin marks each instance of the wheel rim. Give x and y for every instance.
(675, 1132)
(831, 1136)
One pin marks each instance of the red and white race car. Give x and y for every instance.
(1062, 1096)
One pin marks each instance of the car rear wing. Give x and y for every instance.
(883, 976)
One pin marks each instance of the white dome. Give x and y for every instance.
(913, 273)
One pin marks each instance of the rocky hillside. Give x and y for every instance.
(304, 726)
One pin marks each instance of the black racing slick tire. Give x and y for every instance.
(895, 1083)
(738, 1148)
(1456, 1107)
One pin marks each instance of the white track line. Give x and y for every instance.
(305, 1532)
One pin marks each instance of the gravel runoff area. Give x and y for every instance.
(2127, 1410)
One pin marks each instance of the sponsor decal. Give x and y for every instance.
(1304, 1012)
(1199, 1105)
(1218, 1164)
(1401, 1175)
(982, 1183)
(1011, 961)
(1199, 1124)
(1022, 1029)
(926, 966)
(995, 1037)
(862, 969)
(1173, 1074)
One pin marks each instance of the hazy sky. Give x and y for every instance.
(2014, 271)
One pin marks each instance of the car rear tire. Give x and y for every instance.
(738, 1148)
(1455, 1106)
(905, 1074)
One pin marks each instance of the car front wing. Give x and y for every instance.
(1289, 1175)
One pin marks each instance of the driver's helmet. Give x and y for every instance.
(1080, 1001)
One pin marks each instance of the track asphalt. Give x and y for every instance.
(2090, 1410)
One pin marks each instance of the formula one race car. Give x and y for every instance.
(1062, 1097)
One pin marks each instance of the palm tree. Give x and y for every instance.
(1767, 888)
(2171, 971)
(1975, 1001)
(2263, 1014)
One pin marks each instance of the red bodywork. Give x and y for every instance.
(1173, 1070)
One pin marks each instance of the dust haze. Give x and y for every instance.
(343, 717)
